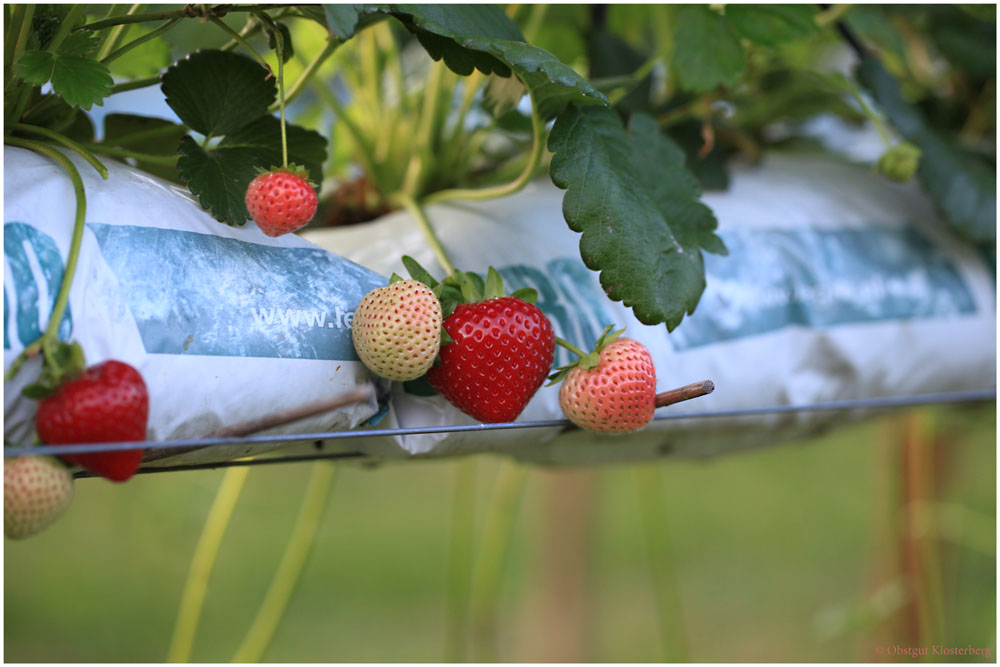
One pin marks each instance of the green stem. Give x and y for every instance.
(424, 223)
(481, 194)
(139, 41)
(463, 525)
(497, 537)
(244, 43)
(115, 36)
(300, 544)
(68, 143)
(307, 74)
(15, 22)
(202, 563)
(124, 152)
(649, 489)
(135, 84)
(22, 37)
(48, 340)
(569, 346)
(134, 18)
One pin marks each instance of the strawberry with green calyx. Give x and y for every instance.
(107, 402)
(610, 390)
(37, 490)
(281, 200)
(496, 349)
(397, 329)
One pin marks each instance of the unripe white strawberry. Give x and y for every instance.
(36, 492)
(611, 390)
(397, 330)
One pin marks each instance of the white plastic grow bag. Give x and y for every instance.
(225, 324)
(840, 285)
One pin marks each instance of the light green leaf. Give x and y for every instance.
(637, 206)
(707, 52)
(79, 44)
(82, 82)
(35, 67)
(494, 285)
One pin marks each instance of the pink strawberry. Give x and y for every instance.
(107, 403)
(281, 201)
(610, 390)
(397, 330)
(500, 354)
(36, 492)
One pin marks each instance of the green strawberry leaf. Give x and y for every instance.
(699, 68)
(35, 67)
(217, 92)
(470, 37)
(529, 294)
(493, 288)
(962, 185)
(772, 25)
(79, 44)
(151, 136)
(82, 82)
(418, 272)
(219, 176)
(637, 206)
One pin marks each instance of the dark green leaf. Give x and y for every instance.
(961, 184)
(316, 13)
(711, 169)
(155, 135)
(219, 176)
(35, 67)
(772, 25)
(342, 20)
(79, 44)
(637, 207)
(707, 52)
(217, 92)
(969, 44)
(288, 50)
(82, 82)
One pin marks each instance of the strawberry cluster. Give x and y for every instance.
(488, 353)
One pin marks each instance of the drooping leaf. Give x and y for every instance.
(772, 25)
(219, 176)
(638, 210)
(707, 51)
(342, 20)
(962, 185)
(217, 92)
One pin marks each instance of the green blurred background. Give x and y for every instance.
(799, 552)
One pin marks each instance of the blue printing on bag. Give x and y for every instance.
(194, 293)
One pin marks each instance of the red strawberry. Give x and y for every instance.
(281, 201)
(107, 403)
(500, 354)
(610, 390)
(36, 492)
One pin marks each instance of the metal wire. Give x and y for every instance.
(262, 440)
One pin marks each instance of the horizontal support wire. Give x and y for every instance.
(263, 440)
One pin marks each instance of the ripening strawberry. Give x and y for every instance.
(36, 492)
(501, 351)
(397, 330)
(107, 403)
(281, 201)
(610, 390)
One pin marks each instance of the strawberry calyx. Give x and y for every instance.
(293, 169)
(587, 360)
(63, 362)
(463, 287)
